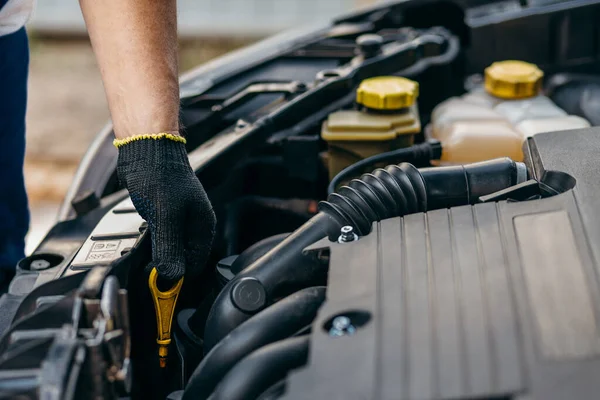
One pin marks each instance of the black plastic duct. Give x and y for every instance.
(280, 321)
(280, 272)
(403, 189)
(256, 251)
(394, 191)
(262, 369)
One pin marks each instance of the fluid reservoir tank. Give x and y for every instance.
(386, 118)
(493, 121)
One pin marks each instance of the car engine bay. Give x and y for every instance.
(407, 209)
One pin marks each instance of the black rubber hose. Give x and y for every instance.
(394, 191)
(402, 189)
(280, 272)
(416, 154)
(465, 184)
(279, 321)
(256, 251)
(262, 369)
(275, 392)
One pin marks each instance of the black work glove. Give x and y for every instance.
(167, 194)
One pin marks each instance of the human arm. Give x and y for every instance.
(135, 42)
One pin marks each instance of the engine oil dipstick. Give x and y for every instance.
(164, 306)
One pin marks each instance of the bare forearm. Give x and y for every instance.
(135, 42)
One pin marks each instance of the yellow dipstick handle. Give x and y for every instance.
(164, 305)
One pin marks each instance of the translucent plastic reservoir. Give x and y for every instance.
(456, 110)
(532, 127)
(472, 141)
(493, 121)
(538, 107)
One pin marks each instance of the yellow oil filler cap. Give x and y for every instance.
(387, 93)
(513, 79)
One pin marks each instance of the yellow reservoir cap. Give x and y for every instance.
(513, 79)
(387, 93)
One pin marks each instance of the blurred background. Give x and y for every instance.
(66, 105)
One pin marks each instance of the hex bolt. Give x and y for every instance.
(341, 323)
(347, 234)
(341, 326)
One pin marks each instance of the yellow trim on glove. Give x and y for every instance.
(156, 136)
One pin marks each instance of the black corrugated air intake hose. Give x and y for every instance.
(394, 191)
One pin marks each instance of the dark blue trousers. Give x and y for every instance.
(14, 213)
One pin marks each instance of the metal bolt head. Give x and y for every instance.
(347, 229)
(341, 326)
(347, 234)
(341, 322)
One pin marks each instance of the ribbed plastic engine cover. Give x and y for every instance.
(493, 301)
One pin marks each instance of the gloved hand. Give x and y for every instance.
(167, 194)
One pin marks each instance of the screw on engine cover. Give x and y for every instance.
(341, 326)
(347, 235)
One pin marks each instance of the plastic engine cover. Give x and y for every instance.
(494, 301)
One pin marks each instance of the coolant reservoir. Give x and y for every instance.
(532, 127)
(388, 119)
(492, 121)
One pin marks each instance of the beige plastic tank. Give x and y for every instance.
(492, 121)
(388, 119)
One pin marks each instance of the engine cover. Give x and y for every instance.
(497, 300)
